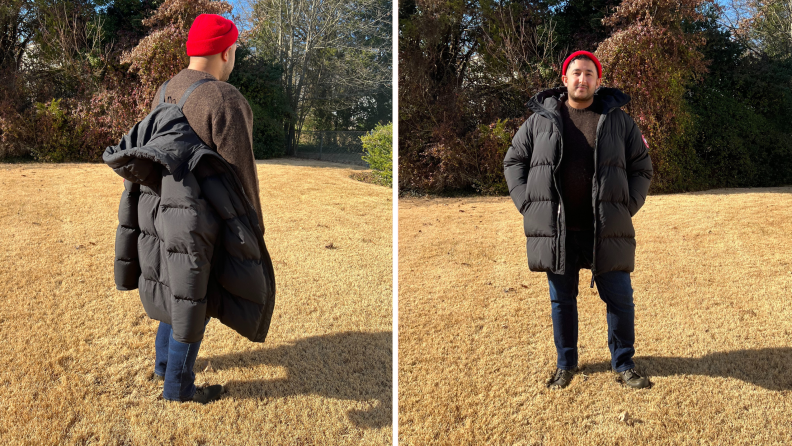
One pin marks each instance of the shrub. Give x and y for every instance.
(15, 128)
(56, 139)
(482, 156)
(378, 147)
(738, 146)
(109, 113)
(475, 160)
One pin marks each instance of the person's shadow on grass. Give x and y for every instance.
(767, 367)
(347, 366)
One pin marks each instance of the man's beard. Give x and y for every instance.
(581, 97)
(225, 75)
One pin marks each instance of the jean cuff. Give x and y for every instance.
(624, 368)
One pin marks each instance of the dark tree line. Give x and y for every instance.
(710, 95)
(75, 75)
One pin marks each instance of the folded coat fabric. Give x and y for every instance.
(188, 236)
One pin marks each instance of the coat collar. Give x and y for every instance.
(164, 139)
(548, 102)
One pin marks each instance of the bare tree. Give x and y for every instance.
(71, 47)
(773, 27)
(18, 23)
(330, 51)
(525, 56)
(761, 25)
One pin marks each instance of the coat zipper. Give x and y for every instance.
(560, 199)
(595, 184)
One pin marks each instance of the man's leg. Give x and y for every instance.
(161, 346)
(179, 377)
(563, 298)
(616, 290)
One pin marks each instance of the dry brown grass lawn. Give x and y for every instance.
(76, 356)
(713, 328)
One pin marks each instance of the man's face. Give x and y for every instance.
(228, 65)
(581, 79)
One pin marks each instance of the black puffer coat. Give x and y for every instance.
(188, 236)
(622, 172)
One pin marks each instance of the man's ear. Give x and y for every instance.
(226, 54)
(564, 79)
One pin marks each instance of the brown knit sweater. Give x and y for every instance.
(577, 165)
(222, 118)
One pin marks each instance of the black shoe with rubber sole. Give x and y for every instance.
(205, 395)
(561, 378)
(631, 378)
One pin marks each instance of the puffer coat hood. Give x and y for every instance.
(188, 236)
(622, 172)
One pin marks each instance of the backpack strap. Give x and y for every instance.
(190, 90)
(162, 91)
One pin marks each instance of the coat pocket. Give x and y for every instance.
(525, 206)
(539, 219)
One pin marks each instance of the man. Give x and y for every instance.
(190, 234)
(578, 169)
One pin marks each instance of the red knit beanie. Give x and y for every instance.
(210, 34)
(583, 53)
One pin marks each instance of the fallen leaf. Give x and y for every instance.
(330, 246)
(208, 367)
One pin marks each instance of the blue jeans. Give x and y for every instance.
(175, 361)
(614, 288)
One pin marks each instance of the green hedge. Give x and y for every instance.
(378, 148)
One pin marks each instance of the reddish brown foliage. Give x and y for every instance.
(653, 60)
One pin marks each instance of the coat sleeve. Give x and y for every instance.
(517, 163)
(127, 264)
(639, 167)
